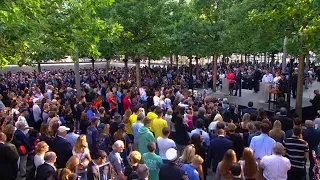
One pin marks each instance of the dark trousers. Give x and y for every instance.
(294, 91)
(296, 174)
(238, 88)
(256, 86)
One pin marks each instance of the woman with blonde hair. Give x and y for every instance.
(63, 174)
(244, 123)
(276, 132)
(223, 170)
(73, 163)
(126, 116)
(41, 148)
(187, 155)
(213, 124)
(81, 150)
(248, 165)
(134, 160)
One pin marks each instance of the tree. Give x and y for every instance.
(302, 22)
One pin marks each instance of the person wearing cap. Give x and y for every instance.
(62, 147)
(153, 161)
(275, 166)
(159, 123)
(122, 135)
(172, 170)
(92, 135)
(191, 169)
(145, 136)
(135, 128)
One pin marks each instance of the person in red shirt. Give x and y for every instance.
(113, 103)
(126, 101)
(232, 81)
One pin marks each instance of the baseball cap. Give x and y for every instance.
(171, 154)
(63, 129)
(121, 125)
(94, 118)
(101, 127)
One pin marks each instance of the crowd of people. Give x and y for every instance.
(116, 130)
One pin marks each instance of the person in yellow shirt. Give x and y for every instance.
(151, 115)
(158, 123)
(132, 119)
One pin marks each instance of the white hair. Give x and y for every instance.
(118, 143)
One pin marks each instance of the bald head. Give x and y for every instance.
(309, 123)
(50, 157)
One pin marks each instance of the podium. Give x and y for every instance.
(263, 93)
(274, 100)
(225, 85)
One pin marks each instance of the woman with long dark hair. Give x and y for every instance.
(201, 151)
(223, 170)
(249, 165)
(182, 137)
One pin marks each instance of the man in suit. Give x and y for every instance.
(8, 160)
(312, 136)
(24, 146)
(218, 147)
(315, 102)
(283, 85)
(294, 81)
(256, 79)
(47, 170)
(250, 110)
(238, 82)
(93, 171)
(286, 121)
(62, 147)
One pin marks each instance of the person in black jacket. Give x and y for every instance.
(182, 137)
(47, 170)
(256, 79)
(238, 82)
(23, 145)
(250, 110)
(8, 160)
(218, 146)
(201, 115)
(294, 81)
(172, 170)
(201, 150)
(286, 121)
(62, 147)
(236, 139)
(315, 102)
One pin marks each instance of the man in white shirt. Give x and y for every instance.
(267, 78)
(164, 143)
(275, 166)
(22, 119)
(156, 99)
(37, 113)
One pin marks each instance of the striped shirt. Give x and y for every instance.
(295, 150)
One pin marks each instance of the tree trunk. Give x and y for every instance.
(107, 64)
(308, 60)
(39, 67)
(241, 59)
(245, 58)
(149, 63)
(300, 86)
(265, 57)
(284, 56)
(177, 60)
(171, 60)
(197, 68)
(215, 71)
(254, 59)
(126, 76)
(272, 59)
(190, 75)
(92, 62)
(77, 74)
(138, 76)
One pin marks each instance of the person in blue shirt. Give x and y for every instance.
(191, 169)
(198, 130)
(92, 135)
